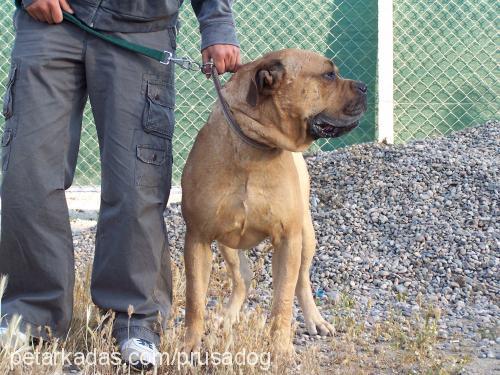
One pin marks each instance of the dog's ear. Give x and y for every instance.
(267, 79)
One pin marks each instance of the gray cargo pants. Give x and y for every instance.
(54, 69)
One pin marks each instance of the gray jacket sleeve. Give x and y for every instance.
(216, 22)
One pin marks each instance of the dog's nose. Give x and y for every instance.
(361, 86)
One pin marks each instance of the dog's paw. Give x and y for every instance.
(192, 344)
(228, 317)
(281, 344)
(283, 349)
(319, 326)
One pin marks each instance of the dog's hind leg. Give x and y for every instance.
(315, 323)
(198, 264)
(238, 267)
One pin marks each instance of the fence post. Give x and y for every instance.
(385, 72)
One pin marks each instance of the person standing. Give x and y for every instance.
(55, 67)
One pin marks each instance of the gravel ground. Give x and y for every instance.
(400, 223)
(417, 218)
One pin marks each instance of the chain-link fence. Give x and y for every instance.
(345, 31)
(444, 64)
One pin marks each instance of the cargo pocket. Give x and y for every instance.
(153, 165)
(158, 118)
(8, 98)
(7, 136)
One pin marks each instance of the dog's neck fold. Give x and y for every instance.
(268, 129)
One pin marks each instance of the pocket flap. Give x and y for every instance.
(6, 137)
(161, 94)
(7, 99)
(151, 155)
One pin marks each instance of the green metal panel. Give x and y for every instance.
(353, 43)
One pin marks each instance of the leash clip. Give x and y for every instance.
(168, 57)
(186, 63)
(183, 62)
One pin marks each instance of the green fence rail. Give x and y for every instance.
(444, 64)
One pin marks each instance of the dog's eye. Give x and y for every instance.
(331, 76)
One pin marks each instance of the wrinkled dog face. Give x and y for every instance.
(341, 102)
(306, 92)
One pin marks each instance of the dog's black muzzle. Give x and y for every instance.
(324, 126)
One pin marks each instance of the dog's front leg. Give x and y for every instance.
(315, 323)
(198, 264)
(286, 265)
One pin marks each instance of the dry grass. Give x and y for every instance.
(396, 345)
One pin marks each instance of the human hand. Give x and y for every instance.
(225, 57)
(49, 11)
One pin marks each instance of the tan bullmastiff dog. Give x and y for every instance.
(239, 195)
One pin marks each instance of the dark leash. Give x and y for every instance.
(165, 58)
(229, 115)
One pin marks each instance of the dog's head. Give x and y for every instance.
(300, 97)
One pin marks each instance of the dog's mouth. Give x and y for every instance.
(323, 126)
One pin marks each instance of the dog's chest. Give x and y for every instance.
(253, 210)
